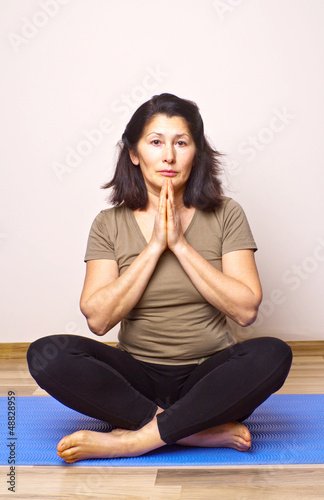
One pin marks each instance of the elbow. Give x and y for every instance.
(96, 328)
(95, 325)
(248, 318)
(249, 315)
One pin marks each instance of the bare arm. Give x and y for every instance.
(236, 290)
(107, 297)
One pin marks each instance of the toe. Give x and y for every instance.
(64, 444)
(244, 445)
(68, 455)
(72, 440)
(246, 435)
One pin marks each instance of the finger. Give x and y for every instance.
(171, 195)
(163, 189)
(172, 217)
(171, 198)
(168, 188)
(162, 214)
(170, 209)
(162, 198)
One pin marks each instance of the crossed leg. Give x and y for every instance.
(124, 443)
(213, 401)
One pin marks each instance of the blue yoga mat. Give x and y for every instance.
(286, 429)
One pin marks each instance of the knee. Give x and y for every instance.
(278, 351)
(268, 352)
(44, 352)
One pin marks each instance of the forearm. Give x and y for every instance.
(110, 304)
(234, 298)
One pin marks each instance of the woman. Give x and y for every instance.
(170, 260)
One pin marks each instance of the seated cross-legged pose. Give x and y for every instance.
(170, 260)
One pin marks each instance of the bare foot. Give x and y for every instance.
(118, 443)
(231, 435)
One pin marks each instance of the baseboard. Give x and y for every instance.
(14, 350)
(18, 350)
(307, 347)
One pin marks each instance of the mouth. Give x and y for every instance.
(168, 173)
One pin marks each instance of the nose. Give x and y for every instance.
(168, 153)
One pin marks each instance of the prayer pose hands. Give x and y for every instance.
(167, 232)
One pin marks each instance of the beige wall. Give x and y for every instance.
(73, 73)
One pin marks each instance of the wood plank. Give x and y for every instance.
(279, 482)
(70, 482)
(18, 350)
(253, 483)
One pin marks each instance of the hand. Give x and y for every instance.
(159, 235)
(167, 231)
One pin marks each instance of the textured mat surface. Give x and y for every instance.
(286, 429)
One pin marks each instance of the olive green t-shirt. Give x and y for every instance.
(172, 323)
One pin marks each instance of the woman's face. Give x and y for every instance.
(166, 150)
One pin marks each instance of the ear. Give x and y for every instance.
(133, 156)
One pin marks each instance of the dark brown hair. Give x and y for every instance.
(203, 188)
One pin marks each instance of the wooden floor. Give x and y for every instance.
(302, 482)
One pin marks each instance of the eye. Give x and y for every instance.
(182, 143)
(156, 142)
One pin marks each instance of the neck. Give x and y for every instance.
(153, 201)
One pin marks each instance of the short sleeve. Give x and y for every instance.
(99, 244)
(237, 234)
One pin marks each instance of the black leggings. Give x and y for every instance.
(106, 383)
